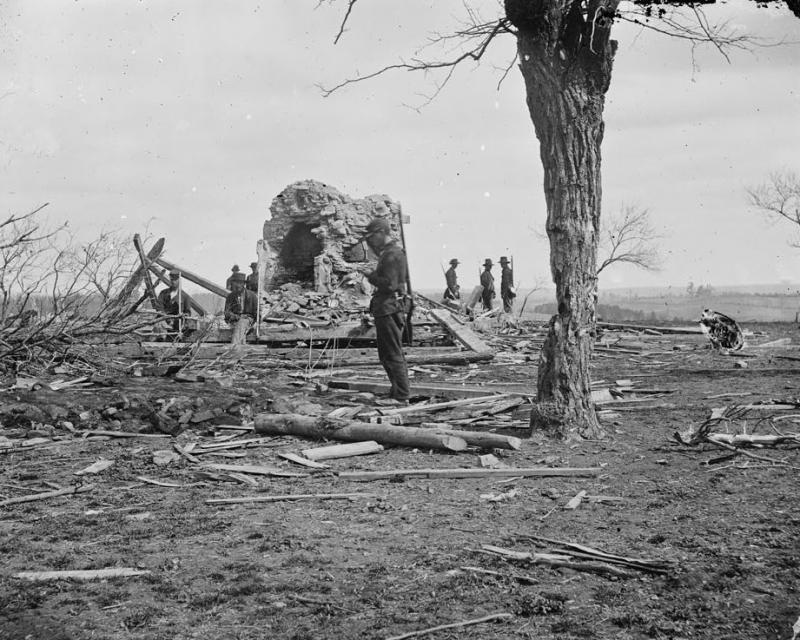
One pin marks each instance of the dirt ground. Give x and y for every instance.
(394, 563)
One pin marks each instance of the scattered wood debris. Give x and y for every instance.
(454, 625)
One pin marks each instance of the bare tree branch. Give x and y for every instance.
(629, 237)
(479, 35)
(779, 199)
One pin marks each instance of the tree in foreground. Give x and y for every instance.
(565, 54)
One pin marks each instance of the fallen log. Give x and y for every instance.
(470, 473)
(319, 428)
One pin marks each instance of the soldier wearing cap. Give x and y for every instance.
(389, 304)
(453, 291)
(241, 308)
(487, 282)
(172, 304)
(251, 283)
(507, 291)
(229, 281)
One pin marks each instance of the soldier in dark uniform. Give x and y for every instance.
(241, 309)
(168, 302)
(487, 282)
(453, 291)
(389, 305)
(251, 283)
(507, 292)
(229, 281)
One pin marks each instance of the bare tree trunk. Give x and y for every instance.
(565, 57)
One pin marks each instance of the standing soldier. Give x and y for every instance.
(241, 309)
(487, 282)
(453, 291)
(389, 305)
(251, 283)
(229, 281)
(507, 292)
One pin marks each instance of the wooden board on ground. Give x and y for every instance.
(462, 333)
(428, 390)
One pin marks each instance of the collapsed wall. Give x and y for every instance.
(313, 235)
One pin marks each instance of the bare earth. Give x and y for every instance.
(394, 563)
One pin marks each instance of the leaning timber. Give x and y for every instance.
(348, 431)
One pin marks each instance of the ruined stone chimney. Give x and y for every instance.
(313, 235)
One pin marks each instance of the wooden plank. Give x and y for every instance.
(293, 457)
(461, 332)
(258, 470)
(364, 448)
(291, 497)
(193, 277)
(471, 473)
(87, 574)
(440, 391)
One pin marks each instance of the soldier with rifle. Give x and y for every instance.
(390, 304)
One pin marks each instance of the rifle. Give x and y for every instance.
(408, 330)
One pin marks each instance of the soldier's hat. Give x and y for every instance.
(174, 273)
(235, 268)
(238, 277)
(377, 225)
(253, 264)
(503, 260)
(487, 262)
(455, 262)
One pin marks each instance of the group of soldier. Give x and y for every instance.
(390, 305)
(241, 303)
(488, 293)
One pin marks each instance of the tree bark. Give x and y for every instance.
(565, 55)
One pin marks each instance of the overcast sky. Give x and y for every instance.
(188, 117)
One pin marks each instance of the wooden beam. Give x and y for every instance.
(193, 277)
(461, 332)
(136, 277)
(148, 282)
(470, 473)
(192, 302)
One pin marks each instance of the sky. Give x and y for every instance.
(185, 118)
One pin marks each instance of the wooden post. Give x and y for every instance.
(148, 283)
(138, 274)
